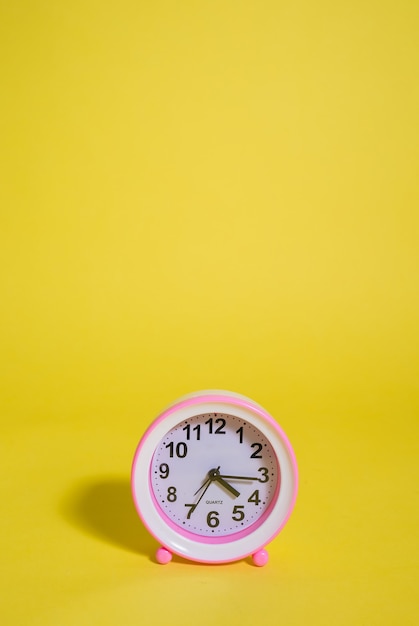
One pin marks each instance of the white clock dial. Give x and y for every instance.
(215, 475)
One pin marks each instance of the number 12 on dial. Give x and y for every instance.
(214, 479)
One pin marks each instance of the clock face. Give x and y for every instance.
(215, 475)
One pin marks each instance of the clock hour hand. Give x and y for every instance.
(214, 474)
(226, 485)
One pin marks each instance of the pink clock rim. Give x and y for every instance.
(225, 399)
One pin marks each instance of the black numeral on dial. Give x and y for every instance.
(164, 470)
(196, 429)
(212, 519)
(192, 508)
(254, 497)
(265, 473)
(171, 494)
(220, 429)
(238, 514)
(258, 447)
(181, 449)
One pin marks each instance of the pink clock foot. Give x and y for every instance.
(260, 558)
(163, 556)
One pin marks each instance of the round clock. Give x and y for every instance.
(214, 479)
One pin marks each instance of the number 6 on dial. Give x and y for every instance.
(214, 479)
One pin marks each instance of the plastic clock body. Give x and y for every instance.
(214, 479)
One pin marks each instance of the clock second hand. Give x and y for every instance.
(203, 485)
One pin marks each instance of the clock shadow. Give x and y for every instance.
(103, 508)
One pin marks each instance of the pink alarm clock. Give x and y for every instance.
(214, 479)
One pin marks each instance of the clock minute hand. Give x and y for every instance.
(239, 477)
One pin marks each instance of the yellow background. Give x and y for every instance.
(208, 195)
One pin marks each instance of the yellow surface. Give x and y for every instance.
(196, 195)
